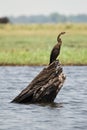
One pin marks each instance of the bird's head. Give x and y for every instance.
(58, 38)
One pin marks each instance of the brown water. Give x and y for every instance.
(69, 112)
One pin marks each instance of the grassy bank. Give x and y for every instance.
(31, 44)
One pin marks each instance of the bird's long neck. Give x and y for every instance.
(59, 41)
(58, 37)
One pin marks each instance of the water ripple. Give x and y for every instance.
(68, 112)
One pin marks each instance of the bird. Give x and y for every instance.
(56, 49)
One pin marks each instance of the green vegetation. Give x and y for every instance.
(31, 44)
(51, 18)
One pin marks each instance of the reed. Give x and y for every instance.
(31, 44)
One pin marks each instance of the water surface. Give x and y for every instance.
(69, 112)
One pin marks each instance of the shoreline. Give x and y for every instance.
(30, 45)
(70, 64)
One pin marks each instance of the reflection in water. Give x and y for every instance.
(68, 112)
(51, 105)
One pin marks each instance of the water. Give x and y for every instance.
(69, 112)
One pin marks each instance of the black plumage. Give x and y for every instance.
(56, 49)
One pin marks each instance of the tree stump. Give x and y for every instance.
(44, 87)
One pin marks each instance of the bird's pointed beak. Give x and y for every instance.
(62, 33)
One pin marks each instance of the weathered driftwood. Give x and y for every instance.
(44, 87)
